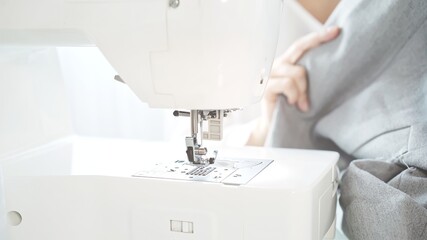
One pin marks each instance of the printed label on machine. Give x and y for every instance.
(232, 172)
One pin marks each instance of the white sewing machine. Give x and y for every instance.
(208, 56)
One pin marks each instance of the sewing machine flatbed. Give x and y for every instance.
(93, 188)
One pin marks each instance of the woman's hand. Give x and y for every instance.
(290, 79)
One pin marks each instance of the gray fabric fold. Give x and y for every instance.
(375, 209)
(368, 94)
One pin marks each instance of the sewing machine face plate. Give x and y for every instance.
(230, 171)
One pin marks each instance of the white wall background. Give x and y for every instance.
(99, 105)
(33, 108)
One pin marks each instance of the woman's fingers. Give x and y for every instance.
(285, 86)
(312, 40)
(303, 104)
(290, 80)
(296, 72)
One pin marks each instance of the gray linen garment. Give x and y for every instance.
(368, 101)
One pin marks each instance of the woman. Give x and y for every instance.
(368, 101)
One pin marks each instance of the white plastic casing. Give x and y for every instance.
(204, 54)
(80, 188)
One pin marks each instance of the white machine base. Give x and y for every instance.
(82, 188)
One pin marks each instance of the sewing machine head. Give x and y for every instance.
(218, 59)
(205, 56)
